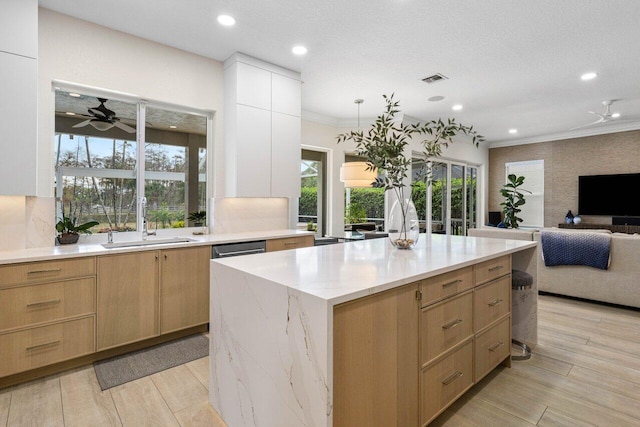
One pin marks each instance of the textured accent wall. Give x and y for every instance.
(564, 161)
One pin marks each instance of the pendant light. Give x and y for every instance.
(356, 174)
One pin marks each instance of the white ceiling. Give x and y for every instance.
(510, 63)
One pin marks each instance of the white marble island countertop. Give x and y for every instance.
(343, 272)
(271, 348)
(95, 248)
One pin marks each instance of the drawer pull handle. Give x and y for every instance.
(453, 282)
(496, 268)
(495, 302)
(451, 378)
(46, 270)
(39, 304)
(290, 243)
(452, 324)
(496, 346)
(49, 344)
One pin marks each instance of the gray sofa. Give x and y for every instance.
(619, 284)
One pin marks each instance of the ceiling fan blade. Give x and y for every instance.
(82, 124)
(97, 113)
(602, 117)
(124, 127)
(590, 124)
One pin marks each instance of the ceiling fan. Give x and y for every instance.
(608, 116)
(104, 119)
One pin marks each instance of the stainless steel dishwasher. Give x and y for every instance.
(238, 249)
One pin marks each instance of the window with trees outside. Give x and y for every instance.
(452, 206)
(104, 166)
(313, 195)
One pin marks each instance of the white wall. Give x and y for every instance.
(324, 135)
(83, 53)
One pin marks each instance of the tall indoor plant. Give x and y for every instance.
(513, 199)
(383, 146)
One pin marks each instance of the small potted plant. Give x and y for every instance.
(198, 218)
(68, 230)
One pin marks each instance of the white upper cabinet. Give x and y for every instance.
(261, 129)
(286, 95)
(18, 107)
(285, 137)
(19, 27)
(253, 148)
(254, 86)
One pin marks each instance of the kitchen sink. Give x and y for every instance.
(148, 242)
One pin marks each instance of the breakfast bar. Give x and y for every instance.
(358, 333)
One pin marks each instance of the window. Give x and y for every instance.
(313, 198)
(103, 165)
(533, 171)
(451, 198)
(363, 204)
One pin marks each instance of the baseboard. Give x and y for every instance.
(608, 304)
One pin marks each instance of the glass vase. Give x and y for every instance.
(403, 226)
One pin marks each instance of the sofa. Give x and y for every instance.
(619, 284)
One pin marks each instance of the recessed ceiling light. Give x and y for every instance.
(513, 131)
(299, 50)
(69, 113)
(75, 95)
(615, 115)
(457, 107)
(589, 76)
(436, 98)
(226, 20)
(172, 127)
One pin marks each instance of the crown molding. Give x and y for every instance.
(566, 135)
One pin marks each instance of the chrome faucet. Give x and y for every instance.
(145, 231)
(110, 236)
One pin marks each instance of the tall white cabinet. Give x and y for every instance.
(261, 129)
(18, 103)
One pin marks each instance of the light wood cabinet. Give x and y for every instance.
(403, 356)
(47, 313)
(127, 298)
(375, 360)
(492, 347)
(48, 302)
(289, 243)
(444, 325)
(445, 380)
(444, 285)
(41, 346)
(184, 288)
(46, 271)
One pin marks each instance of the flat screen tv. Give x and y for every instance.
(614, 195)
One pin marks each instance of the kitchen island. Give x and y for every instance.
(343, 334)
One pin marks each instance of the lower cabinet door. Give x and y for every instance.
(492, 347)
(45, 345)
(445, 380)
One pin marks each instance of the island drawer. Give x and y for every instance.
(444, 381)
(492, 269)
(28, 305)
(46, 271)
(492, 347)
(491, 302)
(439, 287)
(444, 325)
(289, 243)
(36, 347)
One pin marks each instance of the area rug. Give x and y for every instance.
(131, 366)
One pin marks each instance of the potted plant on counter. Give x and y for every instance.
(384, 146)
(198, 218)
(68, 230)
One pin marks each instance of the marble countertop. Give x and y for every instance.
(343, 272)
(91, 249)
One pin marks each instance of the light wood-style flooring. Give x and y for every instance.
(585, 371)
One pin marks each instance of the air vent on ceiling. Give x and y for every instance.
(435, 78)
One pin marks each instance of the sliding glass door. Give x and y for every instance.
(449, 205)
